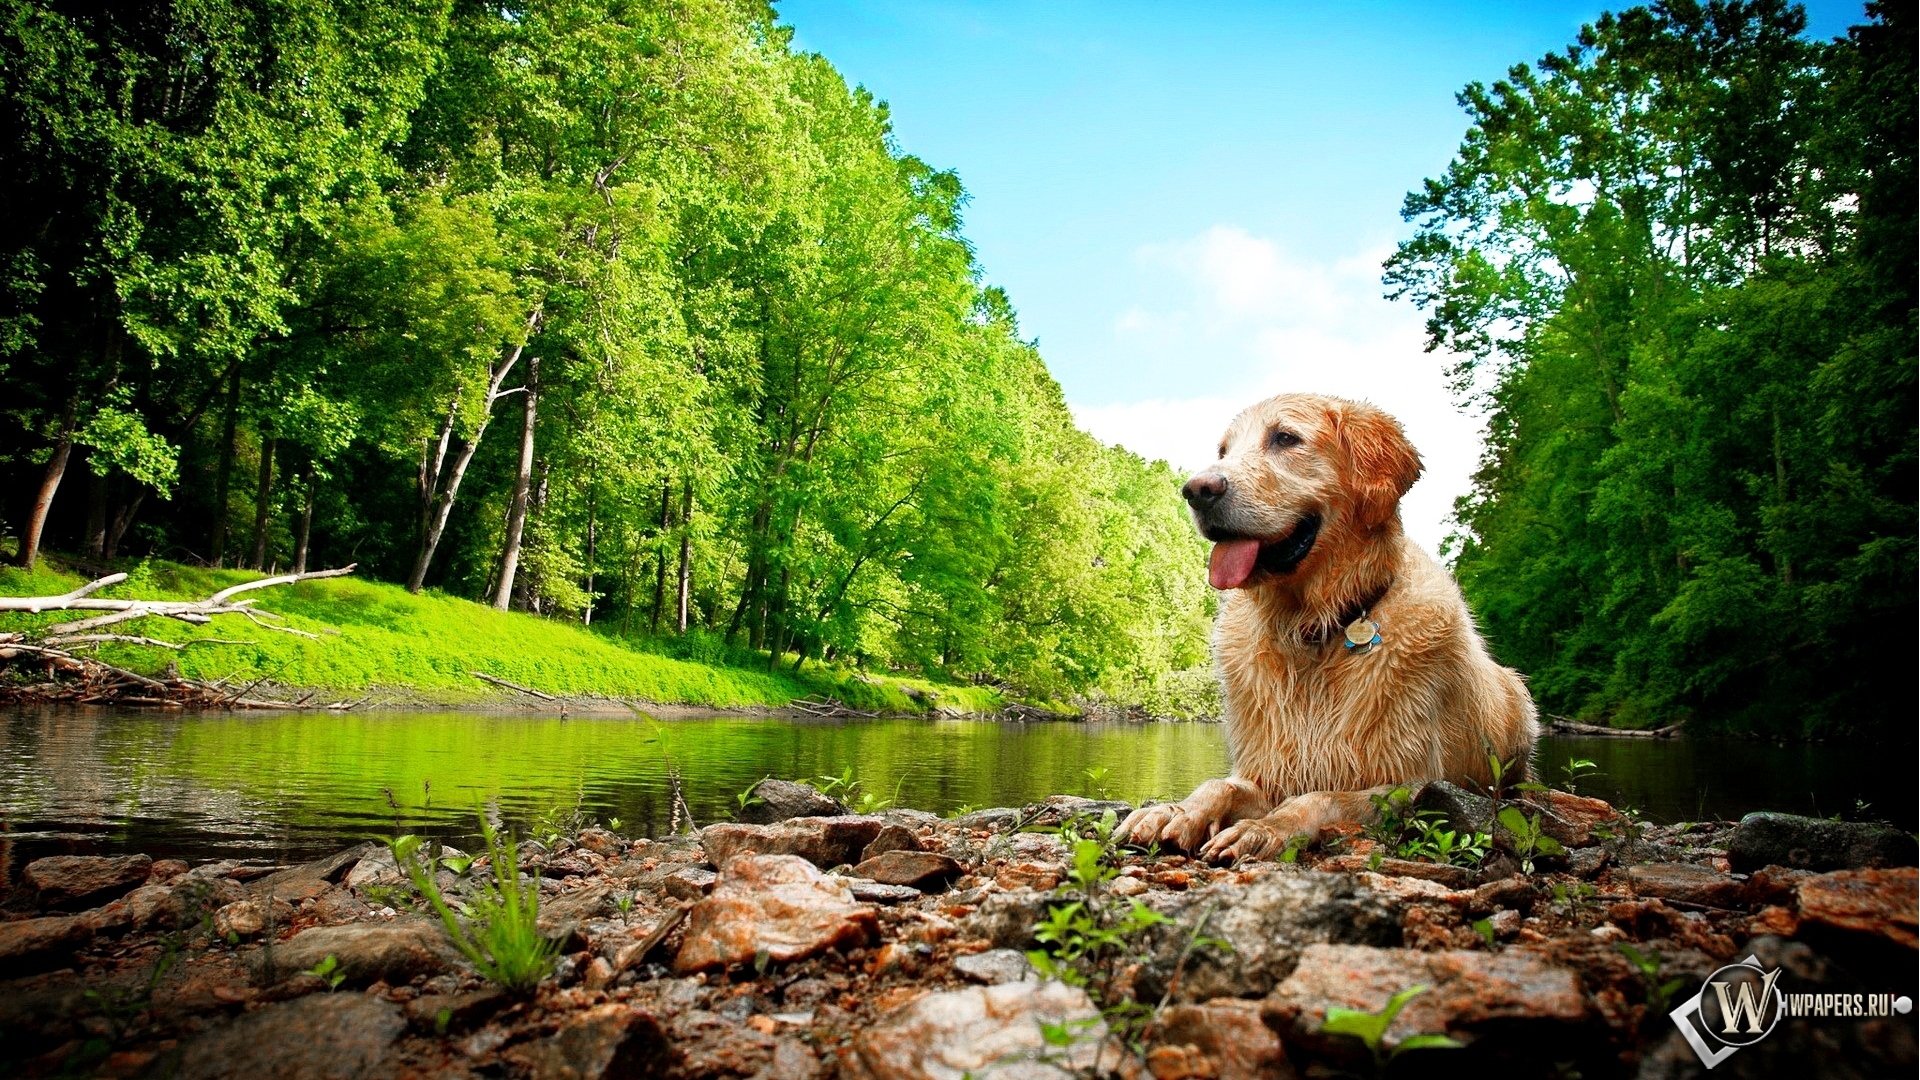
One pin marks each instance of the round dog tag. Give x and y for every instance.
(1362, 632)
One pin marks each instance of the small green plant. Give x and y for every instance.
(1497, 770)
(459, 864)
(1096, 781)
(748, 798)
(1484, 927)
(1575, 771)
(1371, 1028)
(1569, 898)
(1659, 991)
(502, 938)
(854, 793)
(1406, 833)
(328, 971)
(962, 810)
(1529, 840)
(1087, 938)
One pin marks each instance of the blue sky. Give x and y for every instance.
(1188, 203)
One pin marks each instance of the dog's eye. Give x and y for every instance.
(1223, 449)
(1282, 440)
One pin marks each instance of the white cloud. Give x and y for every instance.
(1240, 318)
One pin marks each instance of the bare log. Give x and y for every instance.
(1575, 727)
(484, 677)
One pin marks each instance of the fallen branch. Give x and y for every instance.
(86, 680)
(1575, 727)
(484, 677)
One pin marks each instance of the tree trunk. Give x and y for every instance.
(437, 495)
(217, 544)
(660, 554)
(686, 554)
(262, 504)
(308, 483)
(96, 538)
(123, 520)
(49, 486)
(522, 485)
(593, 540)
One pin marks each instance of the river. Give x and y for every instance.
(288, 785)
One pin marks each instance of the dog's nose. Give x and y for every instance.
(1204, 489)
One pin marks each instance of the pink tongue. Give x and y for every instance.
(1232, 563)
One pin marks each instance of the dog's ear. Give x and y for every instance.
(1381, 463)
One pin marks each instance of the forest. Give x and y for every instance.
(1675, 266)
(633, 315)
(623, 313)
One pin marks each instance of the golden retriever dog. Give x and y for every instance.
(1348, 660)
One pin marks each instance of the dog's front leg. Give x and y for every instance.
(1187, 824)
(1303, 815)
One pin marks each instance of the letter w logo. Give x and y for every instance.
(1745, 1006)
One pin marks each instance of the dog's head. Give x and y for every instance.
(1292, 469)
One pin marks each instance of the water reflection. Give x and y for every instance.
(289, 785)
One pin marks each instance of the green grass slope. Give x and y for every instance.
(372, 634)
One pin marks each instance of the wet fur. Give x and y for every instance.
(1315, 728)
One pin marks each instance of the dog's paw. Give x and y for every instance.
(1258, 838)
(1144, 826)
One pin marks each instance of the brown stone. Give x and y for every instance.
(777, 904)
(689, 882)
(1453, 877)
(1512, 892)
(1875, 902)
(1229, 1035)
(66, 881)
(364, 952)
(1686, 883)
(826, 842)
(920, 869)
(1571, 819)
(984, 1032)
(1469, 989)
(26, 944)
(316, 1037)
(892, 838)
(165, 870)
(601, 842)
(610, 1041)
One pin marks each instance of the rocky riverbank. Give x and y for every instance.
(814, 943)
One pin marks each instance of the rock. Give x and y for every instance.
(779, 904)
(1767, 839)
(1536, 1007)
(317, 1037)
(153, 907)
(892, 838)
(921, 869)
(1265, 923)
(329, 870)
(1572, 819)
(1227, 1037)
(997, 818)
(250, 918)
(365, 952)
(31, 944)
(873, 892)
(601, 842)
(995, 966)
(611, 1041)
(689, 882)
(1587, 862)
(826, 842)
(164, 871)
(1465, 811)
(1007, 919)
(575, 907)
(1055, 810)
(441, 1014)
(1508, 892)
(76, 881)
(1876, 903)
(984, 1032)
(1686, 883)
(781, 800)
(1453, 877)
(375, 869)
